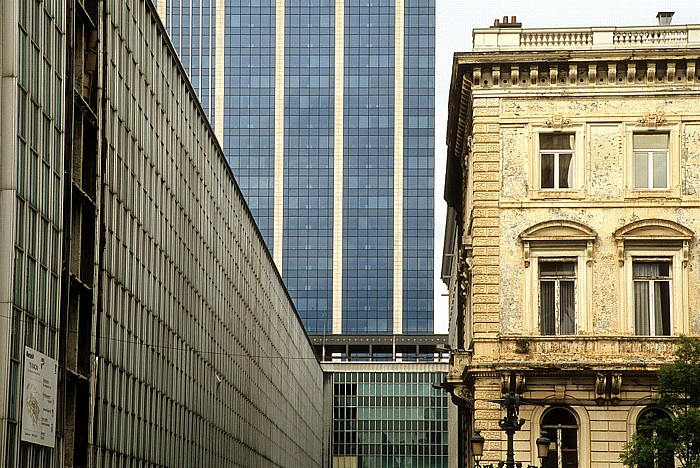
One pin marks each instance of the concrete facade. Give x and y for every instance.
(130, 257)
(509, 222)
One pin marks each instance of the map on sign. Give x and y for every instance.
(39, 398)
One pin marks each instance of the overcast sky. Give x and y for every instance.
(454, 22)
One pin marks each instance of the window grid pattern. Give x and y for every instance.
(368, 173)
(249, 104)
(419, 161)
(308, 160)
(387, 419)
(203, 361)
(192, 30)
(38, 213)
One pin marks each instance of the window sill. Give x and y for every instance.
(542, 194)
(658, 193)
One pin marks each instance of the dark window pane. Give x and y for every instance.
(557, 141)
(568, 309)
(547, 289)
(547, 171)
(566, 170)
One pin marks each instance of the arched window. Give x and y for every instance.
(562, 429)
(647, 425)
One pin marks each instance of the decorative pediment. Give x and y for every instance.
(559, 231)
(654, 231)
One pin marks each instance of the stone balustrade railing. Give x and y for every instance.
(493, 39)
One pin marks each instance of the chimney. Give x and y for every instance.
(664, 17)
(504, 23)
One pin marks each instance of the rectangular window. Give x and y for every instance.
(650, 160)
(557, 297)
(652, 296)
(556, 160)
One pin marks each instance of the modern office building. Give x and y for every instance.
(573, 186)
(325, 111)
(142, 319)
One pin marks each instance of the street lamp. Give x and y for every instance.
(510, 424)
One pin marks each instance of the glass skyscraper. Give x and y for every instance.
(325, 110)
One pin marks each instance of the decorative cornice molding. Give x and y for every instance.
(503, 72)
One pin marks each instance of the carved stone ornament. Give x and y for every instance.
(462, 396)
(557, 121)
(652, 119)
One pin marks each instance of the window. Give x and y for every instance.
(652, 296)
(557, 296)
(556, 160)
(556, 289)
(650, 160)
(651, 421)
(562, 429)
(653, 255)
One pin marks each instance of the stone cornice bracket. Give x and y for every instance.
(686, 253)
(600, 383)
(512, 382)
(462, 396)
(557, 121)
(608, 385)
(526, 254)
(652, 119)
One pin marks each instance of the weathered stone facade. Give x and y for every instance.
(599, 218)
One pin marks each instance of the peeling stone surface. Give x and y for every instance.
(690, 160)
(604, 151)
(515, 168)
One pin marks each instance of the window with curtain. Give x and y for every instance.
(556, 160)
(650, 160)
(562, 429)
(557, 280)
(652, 296)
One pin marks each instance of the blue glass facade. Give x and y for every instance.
(192, 28)
(249, 104)
(419, 131)
(308, 160)
(368, 205)
(368, 173)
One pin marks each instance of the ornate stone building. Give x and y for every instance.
(572, 256)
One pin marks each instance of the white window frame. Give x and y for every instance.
(557, 288)
(558, 239)
(577, 188)
(672, 189)
(557, 156)
(679, 272)
(655, 238)
(651, 282)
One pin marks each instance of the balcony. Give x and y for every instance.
(629, 352)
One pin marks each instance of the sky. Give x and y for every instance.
(454, 22)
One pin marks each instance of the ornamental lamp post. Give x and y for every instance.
(510, 424)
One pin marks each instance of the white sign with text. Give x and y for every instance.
(39, 398)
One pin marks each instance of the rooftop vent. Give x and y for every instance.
(664, 17)
(506, 24)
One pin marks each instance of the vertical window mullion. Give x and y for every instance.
(556, 170)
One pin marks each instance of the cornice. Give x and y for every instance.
(520, 71)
